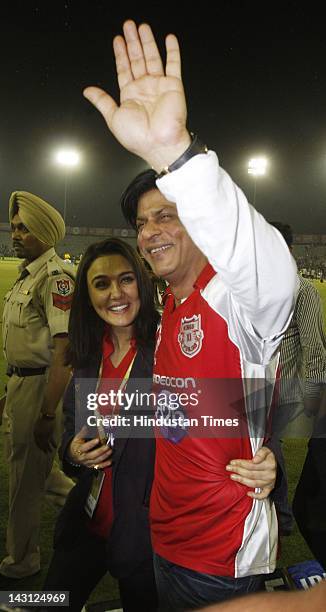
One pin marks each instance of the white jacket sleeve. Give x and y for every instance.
(250, 255)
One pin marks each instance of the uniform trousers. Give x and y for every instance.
(31, 474)
(289, 422)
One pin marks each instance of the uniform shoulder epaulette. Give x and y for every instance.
(54, 268)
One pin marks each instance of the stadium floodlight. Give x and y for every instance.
(257, 166)
(68, 158)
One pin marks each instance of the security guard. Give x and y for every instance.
(35, 325)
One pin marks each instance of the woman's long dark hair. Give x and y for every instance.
(86, 328)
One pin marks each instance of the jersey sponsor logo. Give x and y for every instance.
(190, 336)
(63, 286)
(172, 381)
(63, 302)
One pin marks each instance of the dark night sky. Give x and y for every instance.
(255, 79)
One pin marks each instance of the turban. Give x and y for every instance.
(40, 218)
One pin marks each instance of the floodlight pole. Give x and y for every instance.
(67, 159)
(65, 195)
(256, 167)
(255, 191)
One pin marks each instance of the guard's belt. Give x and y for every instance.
(24, 371)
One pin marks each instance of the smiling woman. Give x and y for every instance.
(113, 288)
(104, 525)
(113, 291)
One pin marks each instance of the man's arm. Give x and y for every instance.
(319, 430)
(58, 378)
(309, 318)
(251, 259)
(55, 297)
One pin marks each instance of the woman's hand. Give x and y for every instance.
(258, 472)
(89, 453)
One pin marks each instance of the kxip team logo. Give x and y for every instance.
(191, 335)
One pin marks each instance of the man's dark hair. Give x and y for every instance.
(142, 183)
(285, 230)
(86, 328)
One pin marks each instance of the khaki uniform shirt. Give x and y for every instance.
(36, 309)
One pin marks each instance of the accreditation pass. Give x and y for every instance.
(94, 494)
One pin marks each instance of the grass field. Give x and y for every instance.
(293, 550)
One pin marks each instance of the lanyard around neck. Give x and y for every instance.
(102, 433)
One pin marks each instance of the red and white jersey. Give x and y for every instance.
(228, 329)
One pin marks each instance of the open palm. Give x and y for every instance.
(151, 118)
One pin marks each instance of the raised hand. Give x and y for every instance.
(151, 118)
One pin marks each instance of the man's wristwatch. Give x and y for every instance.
(195, 148)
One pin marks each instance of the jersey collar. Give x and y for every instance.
(203, 279)
(107, 344)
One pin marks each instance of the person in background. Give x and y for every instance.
(35, 326)
(310, 495)
(223, 320)
(303, 377)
